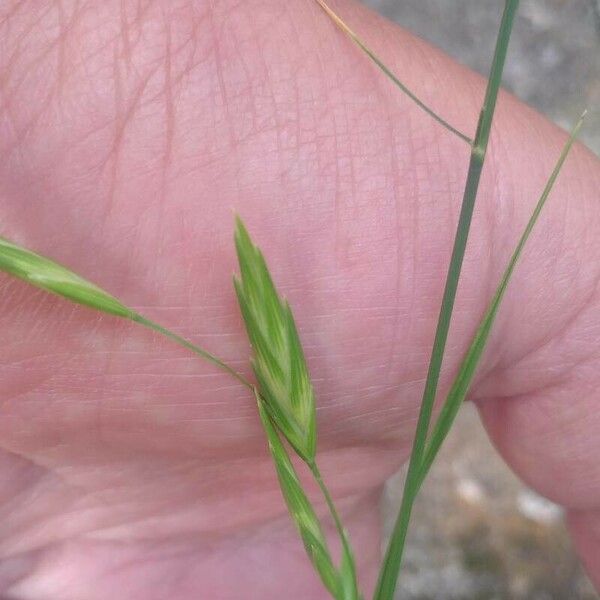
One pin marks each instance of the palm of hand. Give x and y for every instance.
(128, 134)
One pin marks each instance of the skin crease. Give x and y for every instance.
(129, 131)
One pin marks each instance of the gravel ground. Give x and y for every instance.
(478, 533)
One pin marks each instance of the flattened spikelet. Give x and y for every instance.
(53, 277)
(301, 509)
(278, 362)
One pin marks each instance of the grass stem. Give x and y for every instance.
(389, 73)
(192, 347)
(462, 382)
(347, 550)
(388, 577)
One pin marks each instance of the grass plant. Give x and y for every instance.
(386, 584)
(283, 390)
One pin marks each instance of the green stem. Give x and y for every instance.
(381, 65)
(388, 577)
(329, 500)
(462, 382)
(192, 347)
(336, 519)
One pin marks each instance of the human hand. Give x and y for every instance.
(128, 132)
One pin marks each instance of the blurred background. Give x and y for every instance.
(478, 533)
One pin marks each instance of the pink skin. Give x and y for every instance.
(129, 131)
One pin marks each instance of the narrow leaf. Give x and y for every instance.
(337, 20)
(464, 378)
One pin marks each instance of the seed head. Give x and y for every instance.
(278, 362)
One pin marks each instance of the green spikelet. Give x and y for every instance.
(301, 510)
(278, 361)
(53, 277)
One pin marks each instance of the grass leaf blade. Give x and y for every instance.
(339, 22)
(462, 382)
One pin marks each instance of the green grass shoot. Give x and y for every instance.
(462, 382)
(388, 576)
